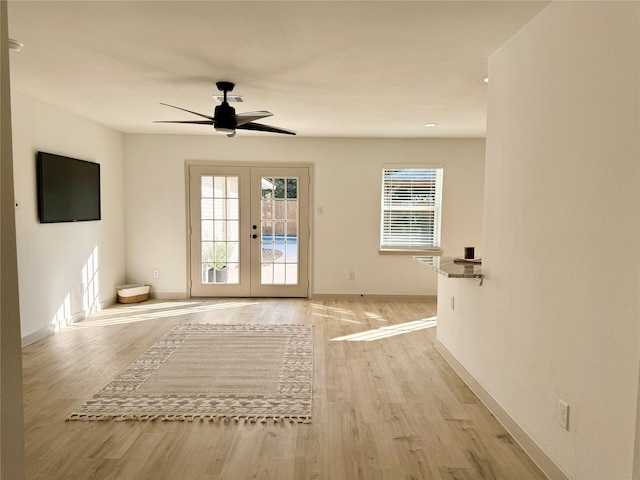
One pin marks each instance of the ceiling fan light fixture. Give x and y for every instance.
(226, 121)
(230, 98)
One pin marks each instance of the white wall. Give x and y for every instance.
(346, 183)
(51, 256)
(11, 410)
(558, 315)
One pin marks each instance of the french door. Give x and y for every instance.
(248, 231)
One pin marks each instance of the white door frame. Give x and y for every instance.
(216, 164)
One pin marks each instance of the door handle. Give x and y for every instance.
(254, 236)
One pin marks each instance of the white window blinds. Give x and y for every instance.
(411, 204)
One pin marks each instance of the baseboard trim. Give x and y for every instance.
(550, 469)
(107, 303)
(168, 295)
(51, 329)
(366, 296)
(77, 317)
(37, 335)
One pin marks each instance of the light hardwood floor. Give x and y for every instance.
(385, 404)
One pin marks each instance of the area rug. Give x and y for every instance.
(214, 372)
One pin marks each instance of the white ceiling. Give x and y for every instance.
(330, 69)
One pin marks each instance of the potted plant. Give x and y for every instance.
(221, 262)
(218, 256)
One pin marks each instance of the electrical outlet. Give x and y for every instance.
(352, 275)
(156, 273)
(563, 414)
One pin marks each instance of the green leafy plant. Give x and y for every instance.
(217, 253)
(221, 255)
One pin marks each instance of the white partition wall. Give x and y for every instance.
(557, 318)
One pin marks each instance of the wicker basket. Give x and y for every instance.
(133, 293)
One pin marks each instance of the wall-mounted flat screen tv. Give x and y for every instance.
(68, 189)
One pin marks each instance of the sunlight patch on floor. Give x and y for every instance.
(390, 331)
(334, 313)
(120, 309)
(172, 312)
(375, 316)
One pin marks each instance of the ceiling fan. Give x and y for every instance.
(226, 120)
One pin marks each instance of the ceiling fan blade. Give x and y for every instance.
(197, 122)
(185, 110)
(242, 118)
(265, 128)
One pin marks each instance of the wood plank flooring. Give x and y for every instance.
(385, 404)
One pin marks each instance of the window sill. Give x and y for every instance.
(436, 252)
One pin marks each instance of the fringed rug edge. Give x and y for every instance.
(191, 418)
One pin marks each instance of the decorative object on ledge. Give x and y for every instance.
(452, 268)
(468, 261)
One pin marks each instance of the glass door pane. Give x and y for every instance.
(279, 226)
(219, 238)
(219, 229)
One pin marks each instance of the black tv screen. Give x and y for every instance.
(68, 189)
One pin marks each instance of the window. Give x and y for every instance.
(411, 204)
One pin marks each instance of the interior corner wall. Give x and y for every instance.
(11, 405)
(346, 180)
(51, 257)
(558, 315)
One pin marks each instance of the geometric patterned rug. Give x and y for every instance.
(214, 372)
